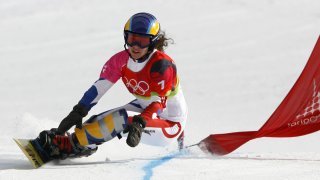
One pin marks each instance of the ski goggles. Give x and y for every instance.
(138, 40)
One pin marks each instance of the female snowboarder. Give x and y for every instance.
(150, 75)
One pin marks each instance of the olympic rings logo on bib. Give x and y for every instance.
(140, 88)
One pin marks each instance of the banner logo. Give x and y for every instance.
(311, 113)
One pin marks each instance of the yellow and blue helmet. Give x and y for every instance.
(144, 24)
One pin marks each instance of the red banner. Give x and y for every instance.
(297, 115)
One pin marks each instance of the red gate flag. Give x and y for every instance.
(297, 115)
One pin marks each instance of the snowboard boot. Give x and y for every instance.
(51, 145)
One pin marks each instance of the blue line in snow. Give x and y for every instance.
(148, 168)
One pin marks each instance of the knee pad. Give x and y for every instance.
(103, 128)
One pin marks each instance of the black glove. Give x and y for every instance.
(135, 130)
(74, 118)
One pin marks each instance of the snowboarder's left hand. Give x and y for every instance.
(135, 130)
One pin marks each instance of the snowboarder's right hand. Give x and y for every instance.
(74, 118)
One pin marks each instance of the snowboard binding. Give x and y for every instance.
(51, 145)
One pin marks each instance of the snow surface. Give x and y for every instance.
(237, 60)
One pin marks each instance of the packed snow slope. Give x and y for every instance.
(237, 60)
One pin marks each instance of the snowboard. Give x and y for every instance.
(30, 152)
